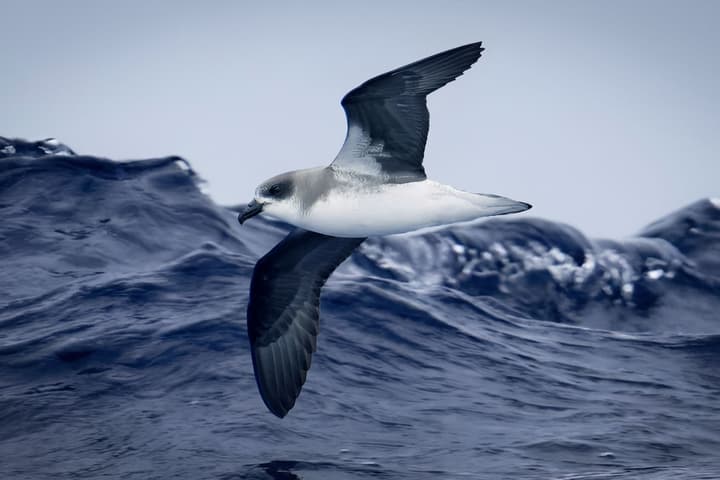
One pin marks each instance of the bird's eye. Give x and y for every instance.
(275, 189)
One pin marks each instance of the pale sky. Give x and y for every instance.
(604, 114)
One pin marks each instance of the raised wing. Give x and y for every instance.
(388, 118)
(284, 309)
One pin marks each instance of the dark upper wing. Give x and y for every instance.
(283, 313)
(388, 118)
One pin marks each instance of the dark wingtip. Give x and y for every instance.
(475, 47)
(274, 405)
(278, 413)
(527, 205)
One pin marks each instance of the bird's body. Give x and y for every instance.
(375, 186)
(346, 204)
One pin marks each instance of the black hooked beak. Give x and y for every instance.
(252, 209)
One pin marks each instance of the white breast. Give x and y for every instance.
(397, 208)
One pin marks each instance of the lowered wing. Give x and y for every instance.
(284, 309)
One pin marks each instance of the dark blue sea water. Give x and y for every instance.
(513, 349)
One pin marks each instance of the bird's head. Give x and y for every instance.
(273, 196)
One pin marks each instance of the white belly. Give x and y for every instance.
(398, 208)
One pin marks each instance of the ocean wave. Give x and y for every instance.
(512, 347)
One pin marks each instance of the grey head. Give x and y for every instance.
(280, 188)
(286, 195)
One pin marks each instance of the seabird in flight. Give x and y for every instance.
(375, 186)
